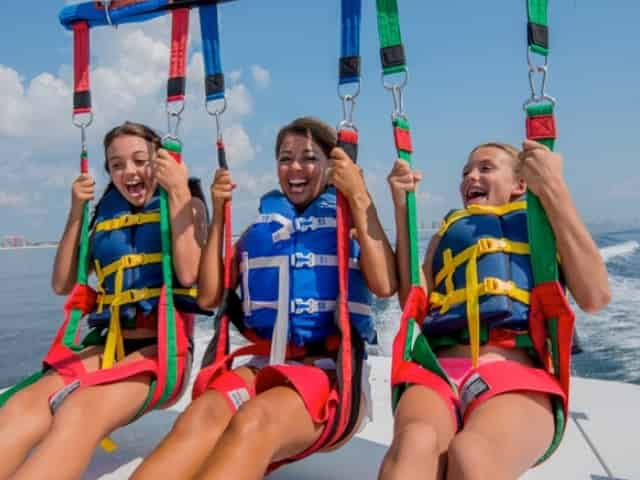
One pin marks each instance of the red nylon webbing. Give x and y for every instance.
(179, 37)
(81, 63)
(540, 127)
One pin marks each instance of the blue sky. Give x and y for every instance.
(468, 79)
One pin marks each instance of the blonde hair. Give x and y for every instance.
(509, 149)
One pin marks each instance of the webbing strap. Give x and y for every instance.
(70, 337)
(177, 62)
(128, 261)
(214, 78)
(128, 220)
(537, 28)
(488, 286)
(496, 210)
(349, 64)
(81, 84)
(167, 350)
(484, 246)
(391, 48)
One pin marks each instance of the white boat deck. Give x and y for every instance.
(599, 443)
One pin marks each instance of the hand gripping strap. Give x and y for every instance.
(348, 141)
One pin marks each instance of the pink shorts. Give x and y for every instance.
(477, 385)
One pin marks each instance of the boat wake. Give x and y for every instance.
(623, 249)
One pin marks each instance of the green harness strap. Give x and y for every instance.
(76, 315)
(542, 241)
(537, 28)
(393, 61)
(171, 359)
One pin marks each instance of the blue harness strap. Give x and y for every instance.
(214, 78)
(117, 12)
(350, 41)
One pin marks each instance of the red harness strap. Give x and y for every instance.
(69, 366)
(415, 307)
(548, 301)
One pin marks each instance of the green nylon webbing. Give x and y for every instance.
(389, 29)
(544, 264)
(69, 338)
(541, 238)
(537, 13)
(167, 274)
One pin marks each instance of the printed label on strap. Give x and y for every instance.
(58, 397)
(238, 396)
(472, 389)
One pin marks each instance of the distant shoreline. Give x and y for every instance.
(29, 247)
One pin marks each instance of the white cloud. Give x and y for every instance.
(234, 75)
(261, 76)
(238, 145)
(128, 81)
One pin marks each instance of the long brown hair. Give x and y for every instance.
(151, 138)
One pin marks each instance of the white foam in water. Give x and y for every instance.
(620, 249)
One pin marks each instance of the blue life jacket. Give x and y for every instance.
(483, 256)
(288, 264)
(126, 249)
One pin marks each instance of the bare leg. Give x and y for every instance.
(423, 428)
(191, 440)
(84, 418)
(272, 426)
(502, 438)
(26, 418)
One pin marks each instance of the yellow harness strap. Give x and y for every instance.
(481, 210)
(473, 289)
(128, 220)
(483, 247)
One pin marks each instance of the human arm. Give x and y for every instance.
(582, 264)
(401, 180)
(211, 266)
(65, 265)
(377, 261)
(187, 216)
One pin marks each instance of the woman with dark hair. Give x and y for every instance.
(285, 266)
(124, 255)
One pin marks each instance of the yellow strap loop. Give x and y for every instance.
(129, 261)
(489, 286)
(128, 220)
(473, 307)
(482, 247)
(499, 211)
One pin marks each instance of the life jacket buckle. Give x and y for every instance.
(299, 306)
(305, 223)
(300, 259)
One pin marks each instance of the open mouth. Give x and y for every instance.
(475, 195)
(297, 185)
(135, 189)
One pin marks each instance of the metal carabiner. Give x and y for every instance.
(217, 113)
(397, 94)
(348, 107)
(534, 69)
(82, 125)
(107, 6)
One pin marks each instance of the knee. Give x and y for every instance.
(252, 421)
(25, 415)
(415, 438)
(471, 456)
(203, 418)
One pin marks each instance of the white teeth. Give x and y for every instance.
(297, 182)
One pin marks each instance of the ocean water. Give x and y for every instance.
(30, 314)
